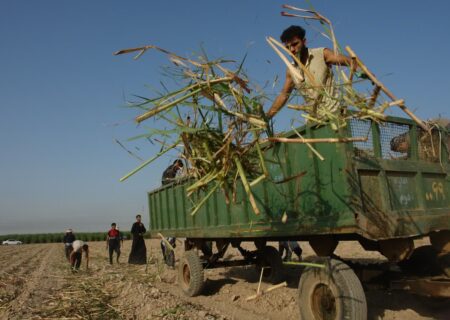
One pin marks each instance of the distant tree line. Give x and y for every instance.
(58, 237)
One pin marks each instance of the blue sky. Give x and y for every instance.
(62, 91)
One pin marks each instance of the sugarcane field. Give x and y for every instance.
(39, 285)
(251, 160)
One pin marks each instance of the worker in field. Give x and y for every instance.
(167, 252)
(113, 239)
(138, 254)
(318, 62)
(76, 254)
(68, 239)
(169, 176)
(172, 171)
(289, 247)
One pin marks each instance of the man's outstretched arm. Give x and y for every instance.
(338, 59)
(283, 97)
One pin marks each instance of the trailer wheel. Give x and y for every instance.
(190, 274)
(333, 292)
(270, 260)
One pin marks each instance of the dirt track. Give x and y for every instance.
(36, 283)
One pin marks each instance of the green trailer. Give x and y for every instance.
(384, 192)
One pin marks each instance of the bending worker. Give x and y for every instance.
(76, 254)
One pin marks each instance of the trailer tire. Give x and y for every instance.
(270, 258)
(333, 292)
(190, 274)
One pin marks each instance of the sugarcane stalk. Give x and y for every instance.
(333, 39)
(274, 287)
(309, 145)
(374, 96)
(205, 198)
(201, 182)
(277, 286)
(262, 162)
(145, 48)
(243, 116)
(257, 180)
(246, 186)
(166, 242)
(148, 162)
(295, 73)
(159, 109)
(274, 43)
(300, 107)
(318, 140)
(396, 102)
(304, 264)
(197, 84)
(317, 16)
(385, 90)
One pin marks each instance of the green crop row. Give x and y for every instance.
(58, 237)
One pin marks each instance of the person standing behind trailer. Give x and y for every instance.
(289, 246)
(168, 176)
(68, 239)
(76, 254)
(138, 254)
(113, 239)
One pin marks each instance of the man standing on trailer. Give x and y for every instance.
(171, 172)
(318, 62)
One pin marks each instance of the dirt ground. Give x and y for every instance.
(36, 283)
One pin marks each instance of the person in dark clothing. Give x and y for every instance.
(138, 254)
(167, 252)
(168, 176)
(68, 239)
(289, 246)
(113, 239)
(170, 173)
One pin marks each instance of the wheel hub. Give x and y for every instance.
(323, 303)
(186, 274)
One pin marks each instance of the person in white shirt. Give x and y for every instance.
(75, 256)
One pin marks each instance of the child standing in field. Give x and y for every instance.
(76, 254)
(113, 239)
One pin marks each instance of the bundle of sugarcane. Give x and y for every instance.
(330, 104)
(219, 131)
